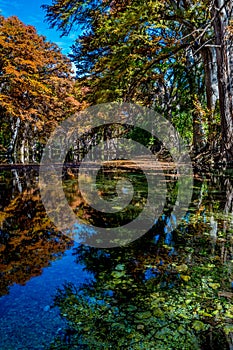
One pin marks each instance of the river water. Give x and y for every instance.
(36, 259)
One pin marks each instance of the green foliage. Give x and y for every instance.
(151, 53)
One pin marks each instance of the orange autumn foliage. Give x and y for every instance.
(28, 239)
(37, 85)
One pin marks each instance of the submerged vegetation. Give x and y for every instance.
(171, 289)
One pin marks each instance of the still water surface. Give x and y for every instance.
(36, 259)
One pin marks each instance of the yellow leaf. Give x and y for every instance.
(186, 278)
(182, 268)
(214, 285)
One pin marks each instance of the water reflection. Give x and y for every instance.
(171, 288)
(100, 205)
(28, 240)
(173, 284)
(35, 258)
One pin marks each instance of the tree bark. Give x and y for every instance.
(15, 130)
(222, 13)
(211, 78)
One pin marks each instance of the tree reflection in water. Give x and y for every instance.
(28, 240)
(171, 288)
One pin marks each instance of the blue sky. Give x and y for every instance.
(29, 12)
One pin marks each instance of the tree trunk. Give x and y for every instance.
(199, 137)
(15, 130)
(222, 13)
(212, 93)
(211, 77)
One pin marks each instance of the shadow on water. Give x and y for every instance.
(169, 289)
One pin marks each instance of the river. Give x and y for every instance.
(188, 259)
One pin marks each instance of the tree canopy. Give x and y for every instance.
(162, 54)
(37, 85)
